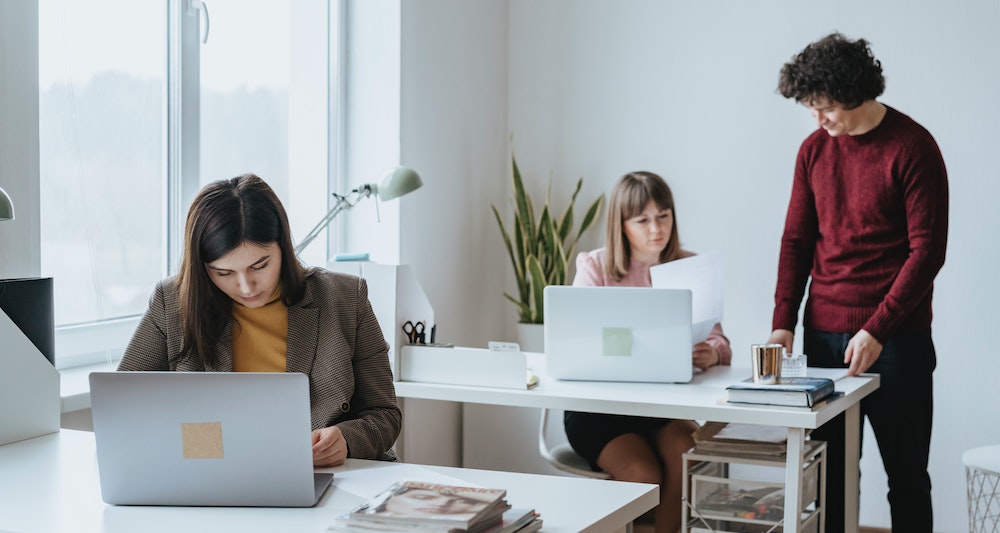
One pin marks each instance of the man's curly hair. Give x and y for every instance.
(836, 68)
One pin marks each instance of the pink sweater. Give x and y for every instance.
(590, 273)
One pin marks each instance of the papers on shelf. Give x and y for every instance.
(702, 275)
(752, 432)
(746, 439)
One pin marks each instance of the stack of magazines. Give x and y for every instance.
(433, 507)
(741, 439)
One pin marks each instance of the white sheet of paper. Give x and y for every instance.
(701, 330)
(702, 275)
(368, 482)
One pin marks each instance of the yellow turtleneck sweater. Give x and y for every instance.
(260, 336)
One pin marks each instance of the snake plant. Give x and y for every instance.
(540, 249)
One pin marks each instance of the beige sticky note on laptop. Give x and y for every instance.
(202, 440)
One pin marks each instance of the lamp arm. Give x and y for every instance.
(343, 204)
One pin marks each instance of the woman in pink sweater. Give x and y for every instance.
(642, 232)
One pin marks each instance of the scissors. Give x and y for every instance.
(414, 332)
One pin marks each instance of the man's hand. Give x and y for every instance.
(782, 336)
(329, 447)
(862, 352)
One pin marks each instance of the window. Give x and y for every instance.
(122, 154)
(264, 72)
(101, 125)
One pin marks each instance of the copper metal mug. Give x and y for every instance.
(767, 363)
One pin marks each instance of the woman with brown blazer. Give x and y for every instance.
(242, 302)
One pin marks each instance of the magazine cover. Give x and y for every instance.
(763, 503)
(421, 502)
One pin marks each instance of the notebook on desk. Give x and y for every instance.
(618, 334)
(205, 439)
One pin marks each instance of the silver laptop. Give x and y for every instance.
(618, 334)
(205, 438)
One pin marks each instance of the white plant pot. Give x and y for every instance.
(531, 337)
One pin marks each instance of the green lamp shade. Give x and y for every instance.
(403, 180)
(7, 206)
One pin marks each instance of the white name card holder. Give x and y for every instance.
(476, 367)
(30, 405)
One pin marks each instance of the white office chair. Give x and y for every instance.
(561, 455)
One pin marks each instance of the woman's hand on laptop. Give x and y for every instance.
(329, 447)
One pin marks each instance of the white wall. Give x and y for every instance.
(687, 89)
(454, 133)
(20, 254)
(454, 130)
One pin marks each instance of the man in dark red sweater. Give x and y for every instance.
(866, 228)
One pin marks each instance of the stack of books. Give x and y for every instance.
(791, 391)
(720, 438)
(435, 508)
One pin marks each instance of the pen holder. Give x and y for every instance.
(766, 360)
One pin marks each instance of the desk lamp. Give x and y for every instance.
(401, 181)
(6, 206)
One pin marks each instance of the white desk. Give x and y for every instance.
(50, 484)
(702, 399)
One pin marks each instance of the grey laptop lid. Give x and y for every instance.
(204, 438)
(618, 334)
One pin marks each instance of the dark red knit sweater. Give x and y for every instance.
(868, 224)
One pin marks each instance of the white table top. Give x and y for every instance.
(50, 484)
(701, 399)
(983, 458)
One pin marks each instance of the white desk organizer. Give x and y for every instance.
(29, 387)
(464, 366)
(396, 296)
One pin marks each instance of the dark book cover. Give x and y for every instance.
(791, 391)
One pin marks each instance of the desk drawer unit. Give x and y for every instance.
(720, 499)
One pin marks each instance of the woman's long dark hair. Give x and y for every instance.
(224, 215)
(629, 197)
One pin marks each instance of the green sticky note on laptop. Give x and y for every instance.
(617, 341)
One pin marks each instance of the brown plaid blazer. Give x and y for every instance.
(333, 337)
